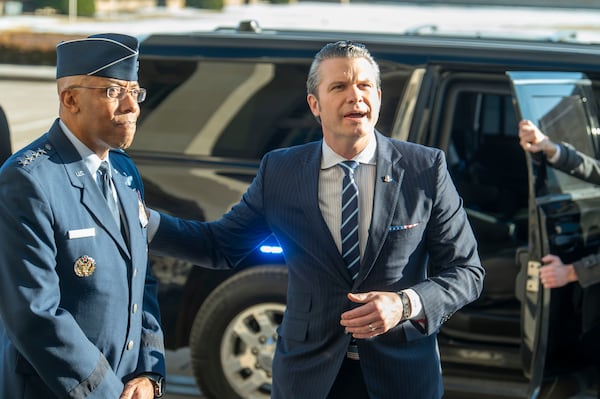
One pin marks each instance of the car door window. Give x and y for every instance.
(237, 109)
(561, 113)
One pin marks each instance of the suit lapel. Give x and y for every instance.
(388, 179)
(78, 175)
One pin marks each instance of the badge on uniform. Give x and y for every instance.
(142, 211)
(84, 266)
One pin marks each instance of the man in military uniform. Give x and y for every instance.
(78, 306)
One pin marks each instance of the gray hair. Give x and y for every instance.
(341, 49)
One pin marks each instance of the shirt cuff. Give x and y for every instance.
(554, 158)
(416, 305)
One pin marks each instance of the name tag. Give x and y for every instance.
(82, 233)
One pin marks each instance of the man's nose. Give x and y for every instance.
(128, 103)
(355, 94)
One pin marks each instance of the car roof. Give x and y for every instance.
(409, 48)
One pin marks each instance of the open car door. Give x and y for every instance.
(564, 220)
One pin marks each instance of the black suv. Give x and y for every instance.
(219, 100)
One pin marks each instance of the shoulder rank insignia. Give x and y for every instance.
(30, 155)
(84, 266)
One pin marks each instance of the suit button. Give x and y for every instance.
(134, 308)
(130, 345)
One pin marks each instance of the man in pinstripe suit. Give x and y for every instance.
(369, 334)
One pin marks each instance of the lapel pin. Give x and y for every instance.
(386, 179)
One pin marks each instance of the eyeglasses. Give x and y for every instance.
(118, 92)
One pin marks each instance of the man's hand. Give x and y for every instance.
(533, 140)
(555, 274)
(138, 388)
(380, 312)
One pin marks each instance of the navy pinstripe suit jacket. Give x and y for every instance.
(437, 257)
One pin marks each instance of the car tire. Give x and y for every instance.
(233, 337)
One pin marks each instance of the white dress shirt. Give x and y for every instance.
(330, 199)
(90, 159)
(330, 191)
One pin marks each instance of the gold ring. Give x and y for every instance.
(371, 327)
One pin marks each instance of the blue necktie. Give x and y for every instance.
(105, 185)
(349, 227)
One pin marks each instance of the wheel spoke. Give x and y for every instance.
(245, 334)
(235, 363)
(266, 323)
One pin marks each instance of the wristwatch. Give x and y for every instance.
(406, 306)
(159, 384)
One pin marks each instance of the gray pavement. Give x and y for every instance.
(30, 104)
(181, 383)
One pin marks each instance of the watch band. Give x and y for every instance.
(406, 306)
(159, 384)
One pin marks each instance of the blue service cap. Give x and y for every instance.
(110, 55)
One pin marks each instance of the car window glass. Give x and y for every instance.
(566, 112)
(235, 109)
(484, 136)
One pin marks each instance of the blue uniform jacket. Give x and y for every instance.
(78, 304)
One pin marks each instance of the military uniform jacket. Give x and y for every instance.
(78, 304)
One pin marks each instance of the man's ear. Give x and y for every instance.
(313, 103)
(68, 100)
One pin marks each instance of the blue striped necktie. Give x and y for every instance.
(349, 226)
(104, 181)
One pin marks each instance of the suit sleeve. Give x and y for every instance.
(455, 273)
(49, 341)
(588, 270)
(578, 164)
(222, 244)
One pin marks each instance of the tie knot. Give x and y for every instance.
(103, 168)
(348, 167)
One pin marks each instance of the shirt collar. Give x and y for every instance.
(90, 159)
(330, 158)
